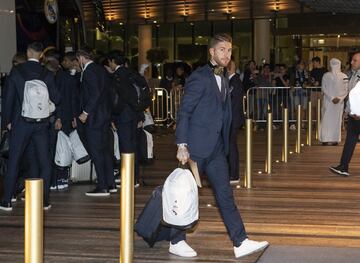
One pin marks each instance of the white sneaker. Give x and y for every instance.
(182, 249)
(248, 247)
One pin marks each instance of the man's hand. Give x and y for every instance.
(8, 126)
(336, 100)
(83, 116)
(58, 124)
(183, 154)
(355, 117)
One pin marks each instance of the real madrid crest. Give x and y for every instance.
(51, 10)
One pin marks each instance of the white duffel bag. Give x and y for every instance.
(63, 154)
(79, 152)
(116, 146)
(180, 199)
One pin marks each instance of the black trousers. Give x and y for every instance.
(352, 136)
(21, 134)
(217, 170)
(127, 133)
(234, 155)
(96, 142)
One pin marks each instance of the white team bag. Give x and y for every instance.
(36, 103)
(180, 199)
(116, 146)
(79, 152)
(63, 155)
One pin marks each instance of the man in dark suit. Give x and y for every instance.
(94, 121)
(126, 116)
(238, 119)
(25, 129)
(202, 134)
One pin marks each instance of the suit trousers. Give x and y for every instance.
(217, 170)
(234, 154)
(21, 134)
(352, 137)
(127, 133)
(96, 142)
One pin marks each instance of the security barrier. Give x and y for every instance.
(165, 106)
(260, 99)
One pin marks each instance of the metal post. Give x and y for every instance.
(127, 208)
(268, 164)
(248, 165)
(309, 128)
(34, 221)
(318, 119)
(298, 130)
(285, 149)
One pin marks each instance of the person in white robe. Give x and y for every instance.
(334, 89)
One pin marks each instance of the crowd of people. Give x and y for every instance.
(81, 94)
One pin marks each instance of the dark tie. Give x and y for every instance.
(223, 90)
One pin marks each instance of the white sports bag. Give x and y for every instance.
(63, 155)
(180, 199)
(78, 149)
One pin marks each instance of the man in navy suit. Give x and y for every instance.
(238, 119)
(94, 121)
(24, 130)
(202, 134)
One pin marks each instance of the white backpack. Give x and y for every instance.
(36, 103)
(180, 199)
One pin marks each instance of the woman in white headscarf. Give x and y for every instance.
(335, 90)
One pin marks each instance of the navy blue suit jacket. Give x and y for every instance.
(15, 88)
(94, 92)
(68, 86)
(203, 116)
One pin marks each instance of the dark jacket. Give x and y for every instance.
(93, 96)
(203, 116)
(15, 88)
(237, 94)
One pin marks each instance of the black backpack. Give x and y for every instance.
(143, 96)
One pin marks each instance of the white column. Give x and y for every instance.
(8, 34)
(262, 40)
(145, 42)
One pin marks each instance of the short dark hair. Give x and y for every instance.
(86, 52)
(18, 58)
(316, 59)
(223, 37)
(70, 55)
(36, 46)
(53, 54)
(117, 56)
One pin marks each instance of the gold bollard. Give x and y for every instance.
(268, 163)
(309, 128)
(298, 130)
(318, 119)
(127, 208)
(285, 149)
(34, 221)
(248, 165)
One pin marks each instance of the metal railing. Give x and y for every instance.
(165, 106)
(260, 100)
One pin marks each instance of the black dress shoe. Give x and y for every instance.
(5, 206)
(98, 192)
